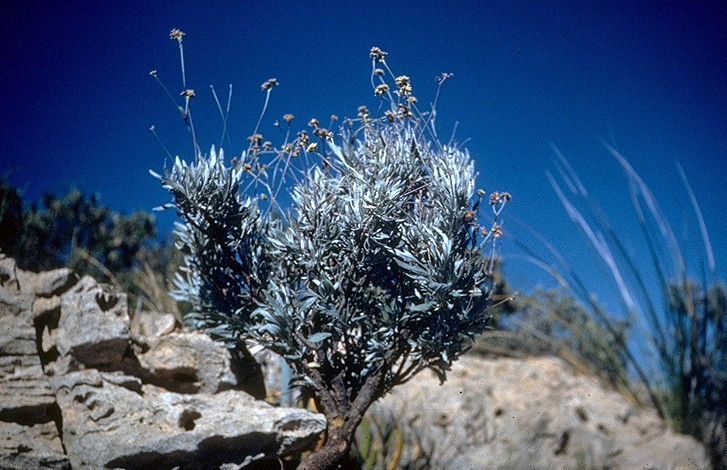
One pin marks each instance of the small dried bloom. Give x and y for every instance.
(390, 116)
(153, 73)
(363, 111)
(494, 198)
(263, 197)
(381, 89)
(443, 77)
(247, 167)
(377, 54)
(312, 147)
(269, 84)
(255, 139)
(176, 34)
(469, 216)
(314, 123)
(267, 145)
(288, 118)
(497, 231)
(334, 118)
(404, 84)
(378, 72)
(188, 93)
(405, 111)
(506, 197)
(323, 133)
(480, 192)
(303, 138)
(484, 232)
(288, 148)
(412, 99)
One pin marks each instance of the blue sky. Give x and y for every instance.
(77, 100)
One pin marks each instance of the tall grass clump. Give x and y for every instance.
(681, 316)
(376, 270)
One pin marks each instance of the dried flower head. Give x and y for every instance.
(484, 232)
(312, 147)
(363, 111)
(405, 111)
(443, 77)
(176, 34)
(288, 118)
(469, 216)
(390, 116)
(334, 118)
(412, 99)
(378, 55)
(379, 72)
(314, 123)
(188, 93)
(381, 89)
(323, 133)
(494, 198)
(269, 84)
(497, 231)
(480, 192)
(255, 139)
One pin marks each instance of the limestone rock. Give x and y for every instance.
(107, 425)
(94, 324)
(17, 334)
(24, 447)
(45, 284)
(188, 362)
(25, 393)
(532, 413)
(152, 324)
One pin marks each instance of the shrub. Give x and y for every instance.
(376, 271)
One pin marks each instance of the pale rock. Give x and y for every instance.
(26, 447)
(109, 421)
(532, 413)
(94, 324)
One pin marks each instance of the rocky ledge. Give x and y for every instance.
(85, 385)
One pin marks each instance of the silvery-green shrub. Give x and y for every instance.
(376, 270)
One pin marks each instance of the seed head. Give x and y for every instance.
(176, 34)
(378, 55)
(379, 72)
(269, 84)
(381, 89)
(188, 93)
(312, 148)
(255, 139)
(288, 118)
(314, 123)
(497, 231)
(390, 116)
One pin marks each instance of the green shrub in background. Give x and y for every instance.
(376, 271)
(77, 231)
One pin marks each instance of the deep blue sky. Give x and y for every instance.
(77, 101)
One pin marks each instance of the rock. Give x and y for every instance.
(188, 362)
(532, 413)
(17, 334)
(38, 446)
(152, 324)
(25, 393)
(109, 422)
(94, 324)
(45, 284)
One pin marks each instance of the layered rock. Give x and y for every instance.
(531, 413)
(84, 384)
(112, 420)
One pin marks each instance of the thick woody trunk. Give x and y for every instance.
(341, 429)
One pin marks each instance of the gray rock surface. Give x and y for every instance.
(532, 413)
(80, 386)
(30, 447)
(189, 362)
(113, 421)
(94, 324)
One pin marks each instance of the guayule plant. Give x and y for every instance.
(376, 270)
